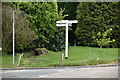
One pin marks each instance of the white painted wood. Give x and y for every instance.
(62, 21)
(60, 24)
(62, 57)
(0, 48)
(66, 23)
(13, 37)
(72, 21)
(66, 48)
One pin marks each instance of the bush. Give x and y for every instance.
(43, 17)
(23, 33)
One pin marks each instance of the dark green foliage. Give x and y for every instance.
(97, 24)
(70, 10)
(95, 18)
(42, 18)
(58, 42)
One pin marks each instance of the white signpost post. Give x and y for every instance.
(66, 23)
(0, 48)
(13, 38)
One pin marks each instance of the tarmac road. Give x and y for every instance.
(65, 72)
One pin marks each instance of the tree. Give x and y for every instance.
(105, 40)
(43, 17)
(23, 33)
(94, 18)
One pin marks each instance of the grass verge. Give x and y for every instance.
(77, 56)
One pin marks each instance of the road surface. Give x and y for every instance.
(66, 72)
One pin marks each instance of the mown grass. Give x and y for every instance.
(7, 61)
(77, 56)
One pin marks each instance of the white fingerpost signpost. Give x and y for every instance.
(66, 23)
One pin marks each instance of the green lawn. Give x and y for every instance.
(7, 61)
(77, 56)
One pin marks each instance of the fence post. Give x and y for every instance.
(62, 57)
